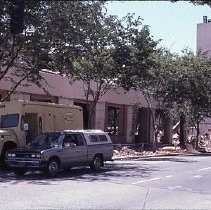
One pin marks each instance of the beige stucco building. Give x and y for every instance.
(203, 44)
(118, 111)
(203, 41)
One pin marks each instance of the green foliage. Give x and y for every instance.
(119, 54)
(56, 32)
(196, 2)
(133, 53)
(181, 84)
(79, 40)
(199, 80)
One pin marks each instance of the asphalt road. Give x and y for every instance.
(153, 183)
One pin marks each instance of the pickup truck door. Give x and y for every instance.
(75, 154)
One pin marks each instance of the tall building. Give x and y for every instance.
(203, 44)
(203, 41)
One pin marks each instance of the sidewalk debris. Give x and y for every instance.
(126, 152)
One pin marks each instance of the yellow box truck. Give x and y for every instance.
(21, 121)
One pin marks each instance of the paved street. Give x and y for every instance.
(158, 183)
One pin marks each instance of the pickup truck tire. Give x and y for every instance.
(53, 167)
(67, 169)
(19, 171)
(97, 163)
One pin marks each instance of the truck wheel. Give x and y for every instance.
(67, 169)
(19, 171)
(53, 167)
(97, 163)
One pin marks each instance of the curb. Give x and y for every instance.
(161, 155)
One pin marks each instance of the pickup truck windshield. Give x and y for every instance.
(48, 139)
(9, 120)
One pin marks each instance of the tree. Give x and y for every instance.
(55, 33)
(10, 50)
(77, 39)
(199, 79)
(95, 67)
(182, 85)
(178, 84)
(158, 85)
(133, 57)
(196, 2)
(169, 87)
(121, 48)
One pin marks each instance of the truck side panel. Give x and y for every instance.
(105, 149)
(50, 118)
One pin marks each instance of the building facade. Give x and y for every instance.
(118, 112)
(203, 40)
(203, 44)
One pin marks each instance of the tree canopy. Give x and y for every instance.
(76, 38)
(196, 2)
(121, 49)
(80, 40)
(55, 32)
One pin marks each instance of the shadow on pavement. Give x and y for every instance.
(172, 159)
(111, 171)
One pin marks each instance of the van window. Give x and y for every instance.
(103, 138)
(9, 120)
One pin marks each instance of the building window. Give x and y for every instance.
(85, 108)
(44, 98)
(115, 120)
(3, 94)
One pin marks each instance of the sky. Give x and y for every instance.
(174, 23)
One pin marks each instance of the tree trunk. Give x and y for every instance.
(155, 142)
(197, 135)
(182, 131)
(167, 126)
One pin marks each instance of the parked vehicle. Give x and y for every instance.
(52, 151)
(21, 121)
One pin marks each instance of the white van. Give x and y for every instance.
(21, 121)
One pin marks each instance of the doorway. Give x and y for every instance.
(85, 109)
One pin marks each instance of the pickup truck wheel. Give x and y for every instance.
(19, 171)
(53, 167)
(67, 169)
(97, 163)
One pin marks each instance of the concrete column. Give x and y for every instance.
(100, 116)
(129, 129)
